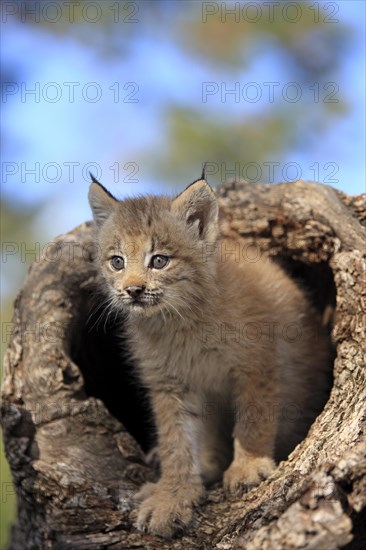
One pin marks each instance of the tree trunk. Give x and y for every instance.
(75, 421)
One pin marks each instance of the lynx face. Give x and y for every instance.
(156, 253)
(145, 272)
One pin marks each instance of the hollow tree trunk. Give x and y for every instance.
(75, 421)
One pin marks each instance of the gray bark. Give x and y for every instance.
(75, 422)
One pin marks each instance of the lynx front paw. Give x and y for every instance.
(166, 510)
(245, 474)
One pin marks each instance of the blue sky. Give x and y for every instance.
(109, 131)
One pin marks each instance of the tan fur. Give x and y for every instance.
(232, 354)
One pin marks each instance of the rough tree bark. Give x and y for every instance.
(74, 420)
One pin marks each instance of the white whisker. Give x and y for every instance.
(105, 305)
(175, 309)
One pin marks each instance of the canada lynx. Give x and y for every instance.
(232, 354)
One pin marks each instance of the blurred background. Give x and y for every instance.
(142, 93)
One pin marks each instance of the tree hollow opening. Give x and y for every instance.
(100, 350)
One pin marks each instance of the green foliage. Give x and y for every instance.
(232, 38)
(203, 138)
(309, 51)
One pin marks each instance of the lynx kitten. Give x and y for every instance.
(232, 354)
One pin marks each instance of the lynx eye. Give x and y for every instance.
(158, 261)
(117, 262)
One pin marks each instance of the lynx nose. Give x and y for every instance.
(135, 291)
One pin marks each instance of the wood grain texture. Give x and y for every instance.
(74, 419)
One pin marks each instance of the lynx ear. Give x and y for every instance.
(198, 206)
(102, 202)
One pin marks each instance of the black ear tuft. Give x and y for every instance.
(94, 179)
(102, 202)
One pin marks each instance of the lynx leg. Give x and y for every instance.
(167, 506)
(254, 432)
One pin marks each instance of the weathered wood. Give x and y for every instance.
(74, 419)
